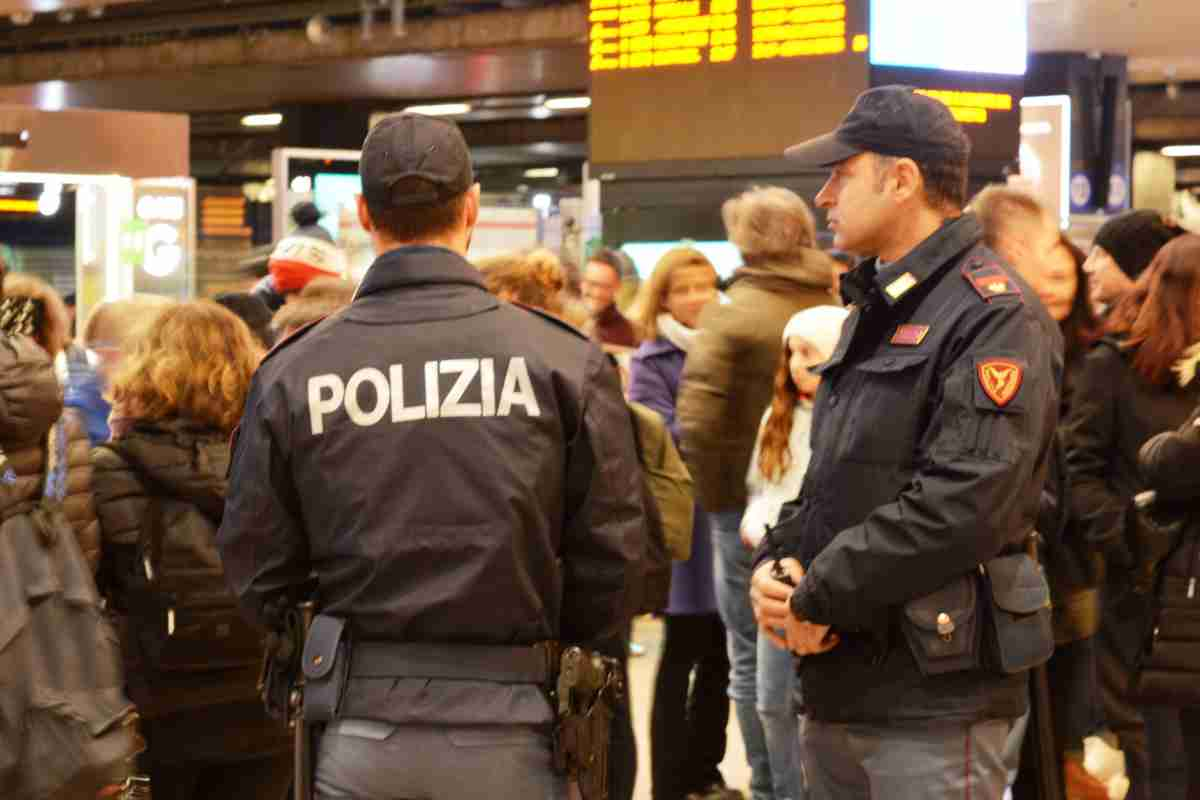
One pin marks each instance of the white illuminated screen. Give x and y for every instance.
(724, 257)
(986, 36)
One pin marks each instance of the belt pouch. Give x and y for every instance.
(942, 628)
(1019, 629)
(326, 667)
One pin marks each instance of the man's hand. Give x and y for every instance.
(771, 599)
(809, 639)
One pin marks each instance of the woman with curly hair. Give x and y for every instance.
(191, 662)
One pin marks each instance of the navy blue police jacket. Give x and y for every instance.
(453, 469)
(931, 441)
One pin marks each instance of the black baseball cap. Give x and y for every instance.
(890, 121)
(414, 146)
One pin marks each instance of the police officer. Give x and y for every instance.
(460, 476)
(931, 441)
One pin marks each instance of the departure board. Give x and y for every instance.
(720, 79)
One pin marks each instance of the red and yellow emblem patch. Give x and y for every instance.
(1001, 379)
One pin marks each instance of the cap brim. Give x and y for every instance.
(823, 151)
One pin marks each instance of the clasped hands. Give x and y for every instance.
(771, 599)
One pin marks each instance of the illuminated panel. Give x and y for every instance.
(639, 34)
(796, 28)
(971, 108)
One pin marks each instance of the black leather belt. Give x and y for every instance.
(537, 664)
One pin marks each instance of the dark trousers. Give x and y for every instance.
(1189, 720)
(689, 718)
(261, 779)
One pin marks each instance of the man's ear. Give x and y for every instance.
(471, 207)
(908, 180)
(364, 215)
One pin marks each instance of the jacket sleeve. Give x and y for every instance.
(706, 396)
(79, 504)
(1171, 462)
(974, 491)
(1090, 433)
(121, 506)
(648, 386)
(262, 543)
(605, 535)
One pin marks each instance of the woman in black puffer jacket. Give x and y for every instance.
(1171, 466)
(191, 662)
(1129, 391)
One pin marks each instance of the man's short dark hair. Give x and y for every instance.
(945, 181)
(411, 223)
(610, 259)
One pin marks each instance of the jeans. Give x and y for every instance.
(776, 674)
(690, 714)
(732, 567)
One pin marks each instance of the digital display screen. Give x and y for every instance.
(983, 36)
(724, 256)
(694, 80)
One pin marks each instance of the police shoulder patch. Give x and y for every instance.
(1000, 379)
(546, 315)
(990, 280)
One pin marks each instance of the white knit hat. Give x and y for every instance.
(821, 325)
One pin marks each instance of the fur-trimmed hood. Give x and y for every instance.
(1187, 366)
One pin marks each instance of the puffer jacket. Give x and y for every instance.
(30, 402)
(730, 369)
(78, 505)
(49, 608)
(201, 716)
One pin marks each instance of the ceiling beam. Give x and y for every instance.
(552, 25)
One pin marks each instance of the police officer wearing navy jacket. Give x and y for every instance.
(931, 438)
(460, 476)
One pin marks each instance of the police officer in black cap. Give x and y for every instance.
(931, 440)
(459, 475)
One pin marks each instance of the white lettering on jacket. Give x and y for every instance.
(369, 395)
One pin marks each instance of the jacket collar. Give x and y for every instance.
(660, 346)
(927, 259)
(418, 265)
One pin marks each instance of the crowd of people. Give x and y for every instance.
(116, 455)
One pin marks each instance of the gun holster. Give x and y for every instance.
(326, 668)
(589, 686)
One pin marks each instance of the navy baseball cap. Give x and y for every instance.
(890, 121)
(414, 146)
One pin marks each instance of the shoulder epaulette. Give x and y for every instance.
(546, 315)
(990, 280)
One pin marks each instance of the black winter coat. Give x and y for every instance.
(932, 437)
(1114, 413)
(454, 470)
(187, 717)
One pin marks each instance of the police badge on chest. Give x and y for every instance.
(441, 394)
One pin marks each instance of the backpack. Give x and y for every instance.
(67, 729)
(670, 504)
(182, 617)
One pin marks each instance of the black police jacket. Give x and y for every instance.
(932, 436)
(452, 469)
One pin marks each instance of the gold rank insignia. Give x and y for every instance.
(900, 287)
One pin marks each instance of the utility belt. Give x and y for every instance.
(583, 687)
(997, 617)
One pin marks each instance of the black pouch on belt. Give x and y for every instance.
(1019, 633)
(326, 667)
(942, 628)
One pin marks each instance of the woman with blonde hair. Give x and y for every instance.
(191, 661)
(689, 717)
